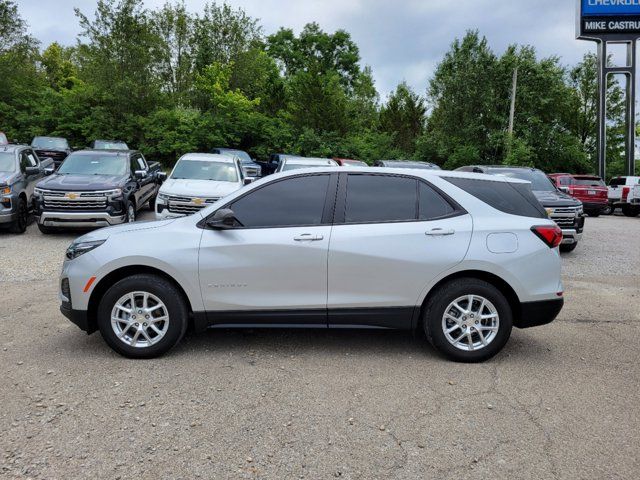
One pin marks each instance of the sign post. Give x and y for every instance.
(611, 22)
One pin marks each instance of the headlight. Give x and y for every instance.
(115, 193)
(163, 197)
(38, 192)
(80, 248)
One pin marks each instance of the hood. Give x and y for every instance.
(73, 182)
(104, 233)
(7, 178)
(555, 198)
(198, 188)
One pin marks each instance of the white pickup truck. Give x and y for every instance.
(624, 193)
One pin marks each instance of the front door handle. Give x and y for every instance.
(439, 232)
(308, 237)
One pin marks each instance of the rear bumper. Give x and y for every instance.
(542, 312)
(595, 205)
(79, 219)
(79, 317)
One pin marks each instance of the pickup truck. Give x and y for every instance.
(20, 170)
(250, 168)
(589, 189)
(624, 193)
(96, 188)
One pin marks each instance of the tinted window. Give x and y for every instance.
(432, 205)
(618, 181)
(380, 198)
(294, 201)
(513, 198)
(589, 182)
(539, 181)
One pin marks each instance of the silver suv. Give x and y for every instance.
(460, 256)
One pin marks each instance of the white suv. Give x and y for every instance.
(196, 181)
(461, 256)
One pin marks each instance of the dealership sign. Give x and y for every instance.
(606, 17)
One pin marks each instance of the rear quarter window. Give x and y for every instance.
(511, 198)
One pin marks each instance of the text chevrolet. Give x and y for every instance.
(462, 256)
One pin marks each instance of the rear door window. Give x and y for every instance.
(380, 198)
(431, 204)
(512, 198)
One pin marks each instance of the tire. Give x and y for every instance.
(130, 212)
(20, 224)
(440, 302)
(608, 210)
(152, 203)
(46, 230)
(138, 341)
(569, 247)
(594, 213)
(630, 211)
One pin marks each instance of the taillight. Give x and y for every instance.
(551, 235)
(625, 193)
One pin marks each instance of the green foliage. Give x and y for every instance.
(170, 81)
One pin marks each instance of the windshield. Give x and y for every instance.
(94, 164)
(539, 181)
(618, 181)
(204, 170)
(43, 143)
(110, 145)
(589, 182)
(7, 162)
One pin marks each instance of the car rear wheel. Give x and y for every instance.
(19, 225)
(608, 210)
(468, 320)
(630, 211)
(131, 212)
(594, 213)
(142, 316)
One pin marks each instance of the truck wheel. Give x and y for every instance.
(608, 210)
(568, 247)
(630, 211)
(594, 213)
(131, 212)
(152, 203)
(468, 320)
(142, 316)
(19, 225)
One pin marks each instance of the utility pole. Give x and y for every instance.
(512, 111)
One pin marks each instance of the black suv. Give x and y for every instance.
(563, 209)
(56, 148)
(96, 188)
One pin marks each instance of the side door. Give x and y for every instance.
(392, 235)
(146, 184)
(271, 268)
(28, 163)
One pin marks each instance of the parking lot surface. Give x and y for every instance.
(560, 401)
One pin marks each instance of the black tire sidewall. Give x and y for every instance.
(161, 288)
(570, 247)
(129, 205)
(435, 308)
(17, 226)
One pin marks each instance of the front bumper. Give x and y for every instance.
(570, 236)
(537, 313)
(79, 317)
(7, 217)
(79, 219)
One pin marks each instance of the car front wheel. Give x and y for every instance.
(142, 316)
(468, 320)
(22, 213)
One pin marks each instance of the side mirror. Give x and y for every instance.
(140, 174)
(49, 170)
(223, 219)
(564, 189)
(162, 176)
(32, 170)
(248, 180)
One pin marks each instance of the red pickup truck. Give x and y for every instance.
(589, 189)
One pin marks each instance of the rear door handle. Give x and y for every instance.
(439, 232)
(308, 237)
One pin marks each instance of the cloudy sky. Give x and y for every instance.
(400, 40)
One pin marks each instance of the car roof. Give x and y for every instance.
(104, 151)
(416, 172)
(309, 160)
(11, 147)
(218, 157)
(505, 167)
(49, 136)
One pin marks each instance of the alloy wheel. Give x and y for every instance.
(139, 319)
(470, 322)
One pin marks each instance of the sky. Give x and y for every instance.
(400, 40)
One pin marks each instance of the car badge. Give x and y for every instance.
(71, 196)
(198, 201)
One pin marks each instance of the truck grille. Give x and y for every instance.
(188, 205)
(565, 216)
(74, 200)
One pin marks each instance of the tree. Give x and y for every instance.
(403, 117)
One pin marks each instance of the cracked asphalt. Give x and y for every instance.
(560, 401)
